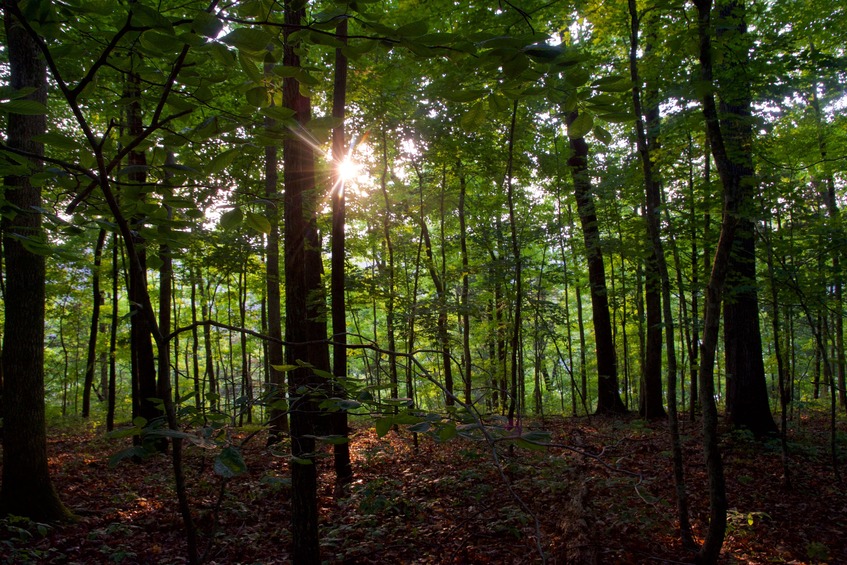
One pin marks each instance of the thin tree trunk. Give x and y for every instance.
(97, 301)
(653, 200)
(518, 274)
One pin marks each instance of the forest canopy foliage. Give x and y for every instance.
(488, 211)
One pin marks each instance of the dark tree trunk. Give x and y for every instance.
(465, 313)
(647, 141)
(141, 343)
(341, 451)
(747, 403)
(97, 301)
(305, 322)
(517, 322)
(113, 338)
(608, 396)
(277, 415)
(391, 294)
(27, 489)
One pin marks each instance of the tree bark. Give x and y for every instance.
(27, 489)
(97, 301)
(341, 451)
(747, 402)
(608, 396)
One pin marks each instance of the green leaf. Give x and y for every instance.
(581, 125)
(330, 439)
(222, 161)
(128, 453)
(617, 117)
(383, 425)
(145, 16)
(23, 107)
(463, 95)
(421, 427)
(139, 422)
(602, 135)
(543, 52)
(474, 118)
(447, 432)
(257, 96)
(57, 140)
(207, 24)
(537, 436)
(229, 463)
(302, 460)
(248, 39)
(285, 368)
(414, 29)
(258, 222)
(232, 219)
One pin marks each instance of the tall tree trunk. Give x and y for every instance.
(837, 235)
(27, 489)
(653, 199)
(747, 402)
(305, 306)
(608, 396)
(113, 338)
(518, 274)
(141, 344)
(465, 309)
(97, 301)
(277, 414)
(341, 451)
(443, 334)
(391, 298)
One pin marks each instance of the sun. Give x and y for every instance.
(348, 169)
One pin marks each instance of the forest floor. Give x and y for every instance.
(605, 495)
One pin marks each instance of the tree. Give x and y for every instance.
(747, 403)
(608, 395)
(27, 488)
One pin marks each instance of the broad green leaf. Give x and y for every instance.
(222, 161)
(581, 125)
(537, 436)
(421, 427)
(57, 140)
(462, 95)
(447, 432)
(285, 368)
(207, 24)
(249, 39)
(330, 439)
(145, 16)
(383, 425)
(474, 118)
(603, 100)
(577, 77)
(9, 93)
(414, 29)
(258, 222)
(229, 463)
(231, 219)
(278, 113)
(24, 107)
(617, 117)
(498, 103)
(257, 96)
(128, 453)
(543, 52)
(602, 135)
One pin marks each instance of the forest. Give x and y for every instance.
(423, 281)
